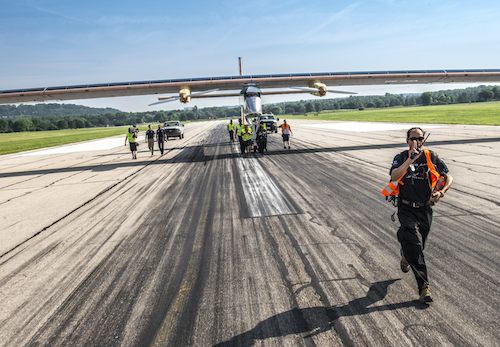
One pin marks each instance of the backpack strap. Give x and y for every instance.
(434, 174)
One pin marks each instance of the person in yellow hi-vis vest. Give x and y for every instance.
(230, 128)
(417, 173)
(239, 130)
(131, 137)
(246, 136)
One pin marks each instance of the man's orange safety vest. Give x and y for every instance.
(392, 189)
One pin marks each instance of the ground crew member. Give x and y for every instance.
(239, 130)
(246, 136)
(131, 137)
(255, 128)
(418, 170)
(286, 131)
(150, 139)
(262, 137)
(160, 138)
(230, 128)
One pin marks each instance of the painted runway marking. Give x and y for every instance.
(90, 146)
(361, 127)
(262, 195)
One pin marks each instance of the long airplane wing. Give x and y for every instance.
(105, 90)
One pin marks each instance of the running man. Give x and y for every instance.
(419, 170)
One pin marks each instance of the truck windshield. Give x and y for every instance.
(171, 124)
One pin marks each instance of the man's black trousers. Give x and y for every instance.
(161, 145)
(415, 226)
(242, 144)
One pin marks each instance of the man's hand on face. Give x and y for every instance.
(414, 154)
(415, 138)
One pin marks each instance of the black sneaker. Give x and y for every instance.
(425, 295)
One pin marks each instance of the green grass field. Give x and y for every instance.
(487, 113)
(24, 141)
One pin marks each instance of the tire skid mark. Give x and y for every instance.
(102, 192)
(98, 243)
(182, 335)
(51, 164)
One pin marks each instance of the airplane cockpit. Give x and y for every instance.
(250, 99)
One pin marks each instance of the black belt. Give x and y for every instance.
(414, 204)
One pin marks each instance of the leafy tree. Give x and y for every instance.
(426, 98)
(486, 95)
(309, 107)
(22, 124)
(496, 92)
(4, 126)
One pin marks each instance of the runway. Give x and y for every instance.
(205, 247)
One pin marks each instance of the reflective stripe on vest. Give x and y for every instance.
(434, 174)
(392, 189)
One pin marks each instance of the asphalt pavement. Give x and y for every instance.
(204, 246)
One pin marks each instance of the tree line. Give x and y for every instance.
(52, 110)
(64, 116)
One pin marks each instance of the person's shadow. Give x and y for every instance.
(294, 322)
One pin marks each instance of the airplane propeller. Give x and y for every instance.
(165, 99)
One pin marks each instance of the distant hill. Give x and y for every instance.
(50, 110)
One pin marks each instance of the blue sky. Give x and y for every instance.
(52, 42)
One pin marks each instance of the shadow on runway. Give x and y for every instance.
(293, 321)
(192, 154)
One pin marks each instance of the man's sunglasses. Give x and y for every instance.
(420, 138)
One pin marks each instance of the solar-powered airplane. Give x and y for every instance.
(249, 87)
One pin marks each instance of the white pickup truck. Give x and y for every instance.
(270, 120)
(173, 128)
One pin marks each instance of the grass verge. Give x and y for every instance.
(487, 113)
(25, 141)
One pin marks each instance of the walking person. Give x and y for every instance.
(420, 172)
(160, 138)
(239, 131)
(150, 139)
(286, 131)
(262, 138)
(131, 137)
(246, 136)
(255, 128)
(230, 128)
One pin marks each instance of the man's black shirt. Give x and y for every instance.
(160, 134)
(150, 134)
(416, 185)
